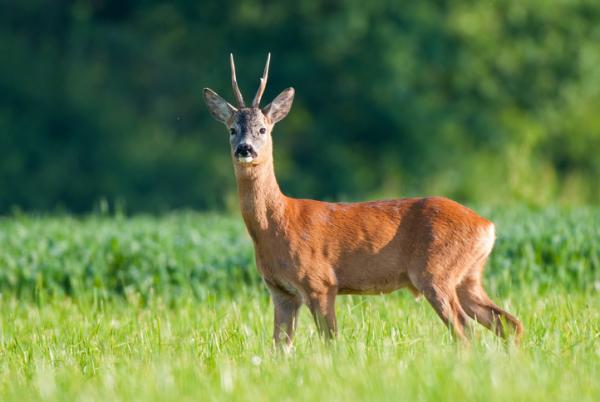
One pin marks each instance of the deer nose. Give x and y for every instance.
(244, 151)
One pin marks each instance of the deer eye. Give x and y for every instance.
(262, 130)
(232, 131)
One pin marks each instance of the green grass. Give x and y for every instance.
(171, 308)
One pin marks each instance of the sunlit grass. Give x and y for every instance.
(187, 319)
(389, 347)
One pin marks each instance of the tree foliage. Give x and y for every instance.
(480, 101)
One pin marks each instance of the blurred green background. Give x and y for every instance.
(484, 102)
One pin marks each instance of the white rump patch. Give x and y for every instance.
(488, 238)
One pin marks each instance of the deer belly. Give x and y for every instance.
(376, 283)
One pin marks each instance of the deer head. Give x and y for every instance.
(249, 127)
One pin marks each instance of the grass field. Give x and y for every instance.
(171, 308)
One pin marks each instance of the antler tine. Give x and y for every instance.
(234, 84)
(263, 83)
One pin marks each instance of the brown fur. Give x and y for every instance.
(310, 251)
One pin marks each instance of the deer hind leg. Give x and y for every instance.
(477, 304)
(444, 300)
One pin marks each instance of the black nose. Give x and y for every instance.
(245, 150)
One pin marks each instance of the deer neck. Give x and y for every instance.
(261, 201)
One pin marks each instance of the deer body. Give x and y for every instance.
(310, 251)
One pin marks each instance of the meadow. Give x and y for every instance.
(146, 308)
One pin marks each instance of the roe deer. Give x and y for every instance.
(310, 251)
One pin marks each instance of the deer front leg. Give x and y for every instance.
(286, 308)
(322, 307)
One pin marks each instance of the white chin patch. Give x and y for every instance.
(245, 159)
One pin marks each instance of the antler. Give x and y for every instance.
(236, 88)
(263, 83)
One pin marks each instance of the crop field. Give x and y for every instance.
(144, 308)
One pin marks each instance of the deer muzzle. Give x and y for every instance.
(245, 153)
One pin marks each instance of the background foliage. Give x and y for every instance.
(480, 101)
(183, 255)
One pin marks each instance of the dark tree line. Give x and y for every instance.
(483, 102)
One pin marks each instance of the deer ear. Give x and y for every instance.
(280, 106)
(218, 107)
